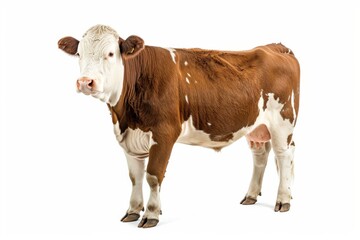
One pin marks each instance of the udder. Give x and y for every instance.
(258, 136)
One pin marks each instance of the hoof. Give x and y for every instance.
(248, 201)
(130, 217)
(148, 223)
(282, 207)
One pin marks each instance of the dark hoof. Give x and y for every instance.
(282, 207)
(130, 217)
(248, 201)
(148, 223)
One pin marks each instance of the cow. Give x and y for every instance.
(161, 96)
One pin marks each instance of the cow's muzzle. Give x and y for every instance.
(85, 85)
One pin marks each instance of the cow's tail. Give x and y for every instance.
(280, 48)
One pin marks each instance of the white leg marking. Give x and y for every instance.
(284, 159)
(260, 157)
(153, 206)
(136, 172)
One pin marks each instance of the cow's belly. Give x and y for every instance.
(192, 136)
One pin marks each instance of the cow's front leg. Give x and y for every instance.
(136, 173)
(158, 160)
(153, 209)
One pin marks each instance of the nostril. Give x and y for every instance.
(90, 84)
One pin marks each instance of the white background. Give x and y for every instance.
(63, 175)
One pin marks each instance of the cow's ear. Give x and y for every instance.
(131, 47)
(69, 45)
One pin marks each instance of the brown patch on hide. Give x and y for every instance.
(113, 114)
(222, 138)
(152, 208)
(132, 178)
(289, 139)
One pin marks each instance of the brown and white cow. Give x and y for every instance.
(160, 96)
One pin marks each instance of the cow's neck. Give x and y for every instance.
(126, 107)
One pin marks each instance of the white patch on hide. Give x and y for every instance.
(172, 54)
(136, 172)
(134, 142)
(293, 105)
(186, 99)
(192, 136)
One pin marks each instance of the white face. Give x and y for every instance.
(101, 67)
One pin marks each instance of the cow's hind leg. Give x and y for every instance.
(136, 174)
(260, 154)
(284, 156)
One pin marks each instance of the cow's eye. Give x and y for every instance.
(77, 54)
(111, 54)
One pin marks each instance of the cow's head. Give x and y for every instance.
(101, 53)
